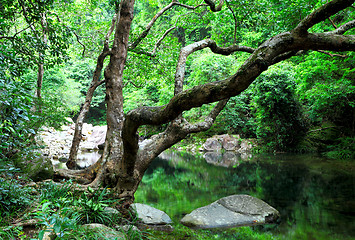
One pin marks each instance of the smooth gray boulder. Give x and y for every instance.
(150, 215)
(232, 211)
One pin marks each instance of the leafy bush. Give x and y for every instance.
(13, 197)
(56, 218)
(345, 149)
(57, 193)
(17, 121)
(277, 112)
(91, 208)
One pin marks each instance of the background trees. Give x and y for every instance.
(292, 97)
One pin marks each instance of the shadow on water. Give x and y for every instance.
(315, 195)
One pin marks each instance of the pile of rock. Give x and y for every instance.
(226, 150)
(228, 143)
(57, 143)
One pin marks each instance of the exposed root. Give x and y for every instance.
(79, 176)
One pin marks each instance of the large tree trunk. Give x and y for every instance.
(113, 170)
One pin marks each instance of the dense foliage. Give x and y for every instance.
(277, 109)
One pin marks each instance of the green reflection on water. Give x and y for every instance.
(315, 196)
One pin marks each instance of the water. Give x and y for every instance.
(315, 195)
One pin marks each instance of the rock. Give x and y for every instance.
(34, 165)
(150, 215)
(49, 235)
(232, 211)
(229, 143)
(245, 146)
(226, 142)
(111, 211)
(106, 232)
(162, 228)
(127, 228)
(212, 144)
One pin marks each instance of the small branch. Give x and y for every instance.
(76, 35)
(158, 43)
(343, 28)
(78, 40)
(331, 21)
(14, 36)
(115, 19)
(235, 22)
(332, 54)
(151, 23)
(205, 125)
(213, 7)
(129, 81)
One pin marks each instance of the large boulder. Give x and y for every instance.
(232, 211)
(34, 165)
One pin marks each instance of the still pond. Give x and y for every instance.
(315, 195)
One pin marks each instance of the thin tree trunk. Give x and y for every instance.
(71, 164)
(40, 73)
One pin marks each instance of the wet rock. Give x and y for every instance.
(150, 215)
(232, 211)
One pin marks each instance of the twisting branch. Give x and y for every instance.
(213, 7)
(78, 40)
(321, 14)
(173, 134)
(151, 23)
(135, 85)
(186, 51)
(115, 19)
(94, 84)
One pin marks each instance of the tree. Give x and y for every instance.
(122, 166)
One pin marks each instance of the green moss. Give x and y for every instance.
(33, 165)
